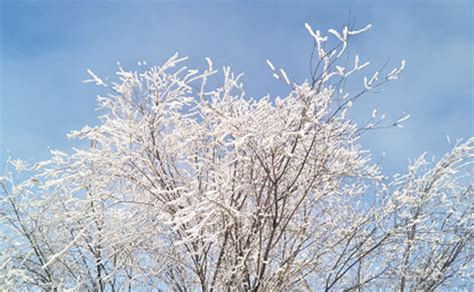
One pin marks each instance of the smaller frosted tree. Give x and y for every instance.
(432, 222)
(187, 187)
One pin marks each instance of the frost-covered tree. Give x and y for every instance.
(188, 185)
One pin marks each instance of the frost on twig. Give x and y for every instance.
(95, 79)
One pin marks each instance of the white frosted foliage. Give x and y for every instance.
(191, 186)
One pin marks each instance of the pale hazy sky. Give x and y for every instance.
(46, 47)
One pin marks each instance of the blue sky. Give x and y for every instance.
(46, 47)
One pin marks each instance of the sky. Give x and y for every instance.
(47, 46)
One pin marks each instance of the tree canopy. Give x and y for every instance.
(189, 185)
